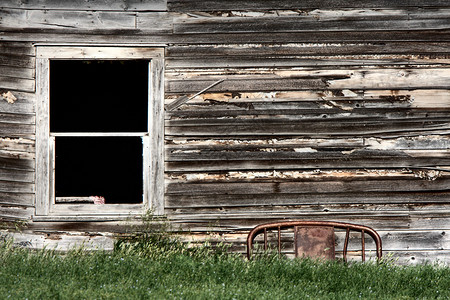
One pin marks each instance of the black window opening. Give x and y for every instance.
(88, 99)
(98, 96)
(109, 167)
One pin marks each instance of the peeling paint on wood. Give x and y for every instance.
(9, 97)
(318, 174)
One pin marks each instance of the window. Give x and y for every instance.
(99, 131)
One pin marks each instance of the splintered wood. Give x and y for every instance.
(9, 97)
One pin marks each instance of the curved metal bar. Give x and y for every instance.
(264, 227)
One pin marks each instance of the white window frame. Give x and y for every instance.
(153, 139)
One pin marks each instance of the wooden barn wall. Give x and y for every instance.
(329, 111)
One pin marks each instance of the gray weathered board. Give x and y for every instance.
(330, 110)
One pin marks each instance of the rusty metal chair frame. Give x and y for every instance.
(292, 224)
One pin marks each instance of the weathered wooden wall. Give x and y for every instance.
(330, 110)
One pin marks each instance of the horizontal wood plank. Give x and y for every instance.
(213, 112)
(134, 36)
(21, 18)
(16, 60)
(17, 129)
(323, 15)
(16, 154)
(17, 48)
(430, 142)
(391, 241)
(231, 223)
(311, 175)
(16, 164)
(315, 209)
(16, 175)
(17, 118)
(281, 80)
(308, 154)
(15, 72)
(343, 99)
(321, 200)
(420, 257)
(308, 24)
(23, 105)
(15, 212)
(17, 199)
(96, 52)
(301, 49)
(155, 22)
(230, 165)
(16, 187)
(301, 61)
(17, 144)
(106, 5)
(215, 5)
(17, 84)
(236, 84)
(303, 187)
(313, 130)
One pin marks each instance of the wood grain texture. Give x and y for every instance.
(214, 5)
(258, 50)
(17, 145)
(332, 100)
(17, 48)
(16, 60)
(316, 79)
(25, 103)
(319, 21)
(42, 137)
(17, 199)
(245, 221)
(15, 18)
(156, 144)
(15, 213)
(347, 186)
(17, 84)
(319, 200)
(17, 175)
(312, 209)
(16, 164)
(15, 72)
(98, 52)
(134, 36)
(298, 164)
(61, 241)
(108, 5)
(428, 142)
(392, 240)
(16, 187)
(300, 61)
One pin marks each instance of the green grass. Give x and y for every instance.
(162, 269)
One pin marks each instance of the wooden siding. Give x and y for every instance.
(218, 5)
(17, 130)
(329, 110)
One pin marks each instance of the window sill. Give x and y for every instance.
(86, 218)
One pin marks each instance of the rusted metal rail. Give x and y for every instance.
(264, 228)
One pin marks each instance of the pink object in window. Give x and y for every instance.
(97, 199)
